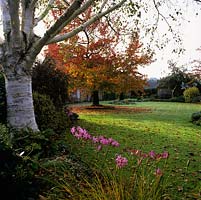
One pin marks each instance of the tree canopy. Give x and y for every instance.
(94, 61)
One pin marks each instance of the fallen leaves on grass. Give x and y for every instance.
(110, 109)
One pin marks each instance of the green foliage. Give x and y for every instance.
(177, 99)
(47, 117)
(2, 99)
(17, 179)
(149, 92)
(20, 160)
(166, 127)
(36, 145)
(48, 80)
(191, 93)
(4, 135)
(196, 118)
(175, 80)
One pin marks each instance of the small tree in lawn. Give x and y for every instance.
(88, 58)
(95, 65)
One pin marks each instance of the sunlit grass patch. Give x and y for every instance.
(166, 127)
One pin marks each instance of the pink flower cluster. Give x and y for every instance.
(105, 141)
(151, 154)
(121, 161)
(81, 133)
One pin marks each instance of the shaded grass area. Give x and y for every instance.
(166, 128)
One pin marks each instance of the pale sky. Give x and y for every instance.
(191, 30)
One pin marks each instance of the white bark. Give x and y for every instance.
(5, 17)
(20, 111)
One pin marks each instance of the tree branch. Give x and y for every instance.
(72, 12)
(6, 18)
(159, 14)
(27, 18)
(82, 27)
(44, 13)
(15, 22)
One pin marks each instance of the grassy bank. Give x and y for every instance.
(162, 127)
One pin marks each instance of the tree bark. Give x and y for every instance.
(121, 96)
(20, 110)
(95, 98)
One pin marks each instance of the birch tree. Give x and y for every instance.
(20, 46)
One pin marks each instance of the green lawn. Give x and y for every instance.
(166, 128)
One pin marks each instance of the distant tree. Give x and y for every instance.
(177, 80)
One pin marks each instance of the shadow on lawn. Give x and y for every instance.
(185, 155)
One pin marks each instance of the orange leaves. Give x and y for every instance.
(92, 61)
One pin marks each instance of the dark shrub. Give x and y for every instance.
(36, 145)
(196, 99)
(2, 100)
(196, 118)
(149, 92)
(17, 179)
(46, 79)
(47, 117)
(177, 99)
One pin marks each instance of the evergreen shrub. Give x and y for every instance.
(191, 93)
(47, 116)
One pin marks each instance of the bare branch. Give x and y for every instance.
(72, 12)
(159, 14)
(110, 25)
(82, 27)
(45, 12)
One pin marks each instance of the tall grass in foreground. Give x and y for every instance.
(135, 175)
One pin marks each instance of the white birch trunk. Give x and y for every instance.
(20, 110)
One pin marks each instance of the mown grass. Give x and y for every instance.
(166, 127)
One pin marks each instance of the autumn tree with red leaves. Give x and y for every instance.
(94, 63)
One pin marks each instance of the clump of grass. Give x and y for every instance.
(128, 175)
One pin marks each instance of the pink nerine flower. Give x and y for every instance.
(165, 155)
(121, 161)
(152, 154)
(115, 144)
(104, 141)
(95, 139)
(80, 133)
(73, 130)
(158, 172)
